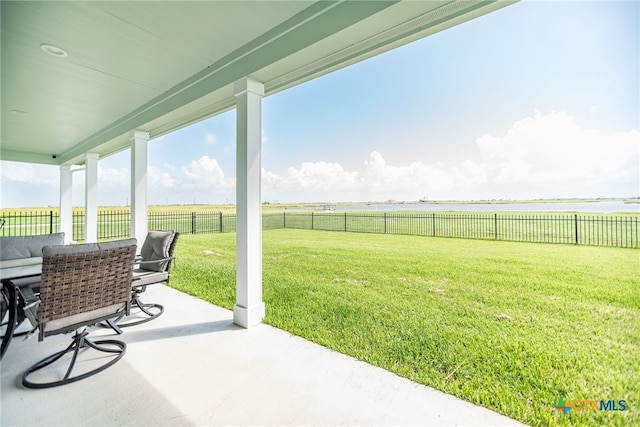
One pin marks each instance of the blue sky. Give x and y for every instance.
(537, 100)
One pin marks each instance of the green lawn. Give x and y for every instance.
(509, 326)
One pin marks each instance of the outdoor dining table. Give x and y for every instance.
(15, 301)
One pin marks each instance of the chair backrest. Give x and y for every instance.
(157, 250)
(172, 247)
(84, 278)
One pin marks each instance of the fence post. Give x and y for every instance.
(50, 222)
(221, 227)
(433, 224)
(284, 219)
(312, 220)
(575, 222)
(385, 223)
(345, 221)
(495, 226)
(193, 223)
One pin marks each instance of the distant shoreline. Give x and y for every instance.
(307, 205)
(626, 200)
(489, 202)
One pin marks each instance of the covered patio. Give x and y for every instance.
(193, 366)
(84, 80)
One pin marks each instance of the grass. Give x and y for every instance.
(509, 326)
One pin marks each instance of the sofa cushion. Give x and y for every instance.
(15, 247)
(86, 247)
(156, 247)
(69, 249)
(116, 244)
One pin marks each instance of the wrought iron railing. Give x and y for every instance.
(597, 230)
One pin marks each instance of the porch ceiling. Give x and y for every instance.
(160, 66)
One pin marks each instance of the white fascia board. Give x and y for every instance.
(21, 156)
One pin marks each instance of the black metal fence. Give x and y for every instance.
(598, 230)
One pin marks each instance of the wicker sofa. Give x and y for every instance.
(22, 255)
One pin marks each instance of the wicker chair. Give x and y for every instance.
(81, 285)
(152, 266)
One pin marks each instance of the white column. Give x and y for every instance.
(91, 197)
(139, 140)
(66, 203)
(249, 309)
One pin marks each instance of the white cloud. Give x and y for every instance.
(321, 176)
(547, 151)
(210, 138)
(410, 181)
(114, 177)
(28, 185)
(29, 173)
(156, 179)
(200, 181)
(206, 174)
(330, 181)
(470, 174)
(546, 155)
(114, 186)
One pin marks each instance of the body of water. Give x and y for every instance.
(584, 207)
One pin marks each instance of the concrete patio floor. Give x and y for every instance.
(193, 366)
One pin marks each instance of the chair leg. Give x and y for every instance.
(151, 311)
(112, 324)
(144, 308)
(79, 342)
(11, 302)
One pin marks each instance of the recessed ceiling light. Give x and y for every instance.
(54, 50)
(19, 113)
